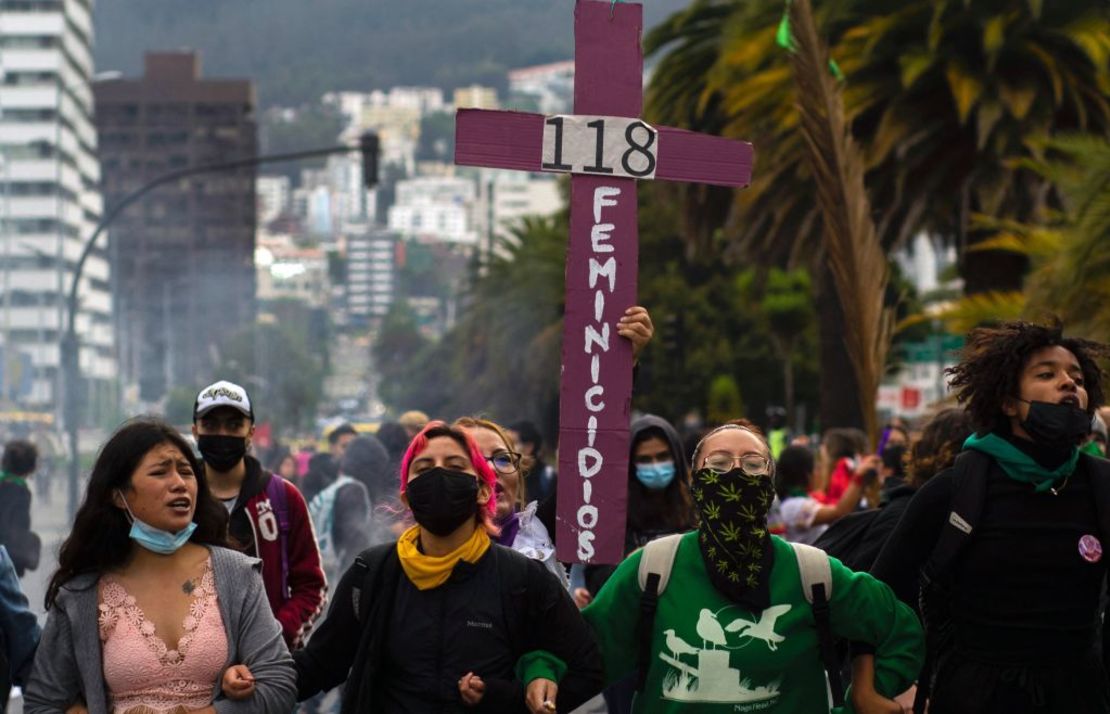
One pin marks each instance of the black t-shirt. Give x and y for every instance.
(1022, 591)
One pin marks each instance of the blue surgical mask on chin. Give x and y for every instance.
(154, 539)
(655, 477)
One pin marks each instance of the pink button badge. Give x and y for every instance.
(1090, 548)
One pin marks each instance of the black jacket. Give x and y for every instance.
(23, 545)
(406, 649)
(1021, 602)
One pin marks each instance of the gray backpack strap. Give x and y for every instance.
(656, 563)
(816, 577)
(813, 566)
(658, 558)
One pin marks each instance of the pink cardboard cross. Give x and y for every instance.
(606, 148)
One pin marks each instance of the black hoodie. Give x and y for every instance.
(638, 533)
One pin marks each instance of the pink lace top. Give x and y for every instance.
(142, 674)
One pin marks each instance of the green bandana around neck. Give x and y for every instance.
(1018, 465)
(6, 477)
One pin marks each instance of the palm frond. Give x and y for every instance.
(856, 257)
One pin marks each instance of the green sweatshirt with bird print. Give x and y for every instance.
(710, 655)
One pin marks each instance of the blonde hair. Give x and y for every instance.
(737, 425)
(477, 422)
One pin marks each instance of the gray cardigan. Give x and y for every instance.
(68, 662)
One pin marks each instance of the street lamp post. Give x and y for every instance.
(69, 343)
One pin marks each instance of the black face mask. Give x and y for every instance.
(222, 452)
(732, 533)
(1056, 424)
(442, 499)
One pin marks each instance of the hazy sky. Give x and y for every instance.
(295, 49)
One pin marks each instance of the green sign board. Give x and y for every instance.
(927, 351)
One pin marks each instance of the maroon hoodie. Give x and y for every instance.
(298, 601)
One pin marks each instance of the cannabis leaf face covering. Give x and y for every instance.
(732, 533)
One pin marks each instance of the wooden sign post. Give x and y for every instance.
(606, 147)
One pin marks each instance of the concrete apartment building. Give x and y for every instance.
(49, 206)
(184, 255)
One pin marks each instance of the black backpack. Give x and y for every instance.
(966, 508)
(844, 539)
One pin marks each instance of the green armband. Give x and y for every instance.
(540, 664)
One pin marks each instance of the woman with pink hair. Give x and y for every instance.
(438, 620)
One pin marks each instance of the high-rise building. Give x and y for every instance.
(435, 208)
(49, 206)
(371, 263)
(274, 195)
(184, 255)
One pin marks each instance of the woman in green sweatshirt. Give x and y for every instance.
(733, 631)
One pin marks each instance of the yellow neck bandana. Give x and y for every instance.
(427, 571)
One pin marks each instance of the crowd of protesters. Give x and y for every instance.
(953, 565)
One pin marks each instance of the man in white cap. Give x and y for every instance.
(269, 518)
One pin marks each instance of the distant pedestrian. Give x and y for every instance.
(344, 514)
(323, 469)
(413, 421)
(286, 467)
(16, 467)
(395, 440)
(540, 482)
(842, 453)
(804, 517)
(269, 517)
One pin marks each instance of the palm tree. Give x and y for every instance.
(944, 98)
(503, 355)
(1071, 264)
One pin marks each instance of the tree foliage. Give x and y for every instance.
(503, 357)
(1068, 250)
(944, 97)
(282, 372)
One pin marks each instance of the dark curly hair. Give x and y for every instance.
(100, 539)
(941, 441)
(993, 360)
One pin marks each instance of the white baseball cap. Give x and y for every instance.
(223, 394)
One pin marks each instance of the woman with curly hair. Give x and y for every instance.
(1013, 617)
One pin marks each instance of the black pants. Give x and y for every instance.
(966, 686)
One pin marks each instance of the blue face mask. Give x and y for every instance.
(655, 477)
(154, 539)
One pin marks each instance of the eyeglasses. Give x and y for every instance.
(504, 462)
(752, 464)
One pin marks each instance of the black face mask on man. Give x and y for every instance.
(442, 500)
(222, 452)
(1058, 425)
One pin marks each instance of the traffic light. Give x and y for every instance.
(672, 338)
(368, 146)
